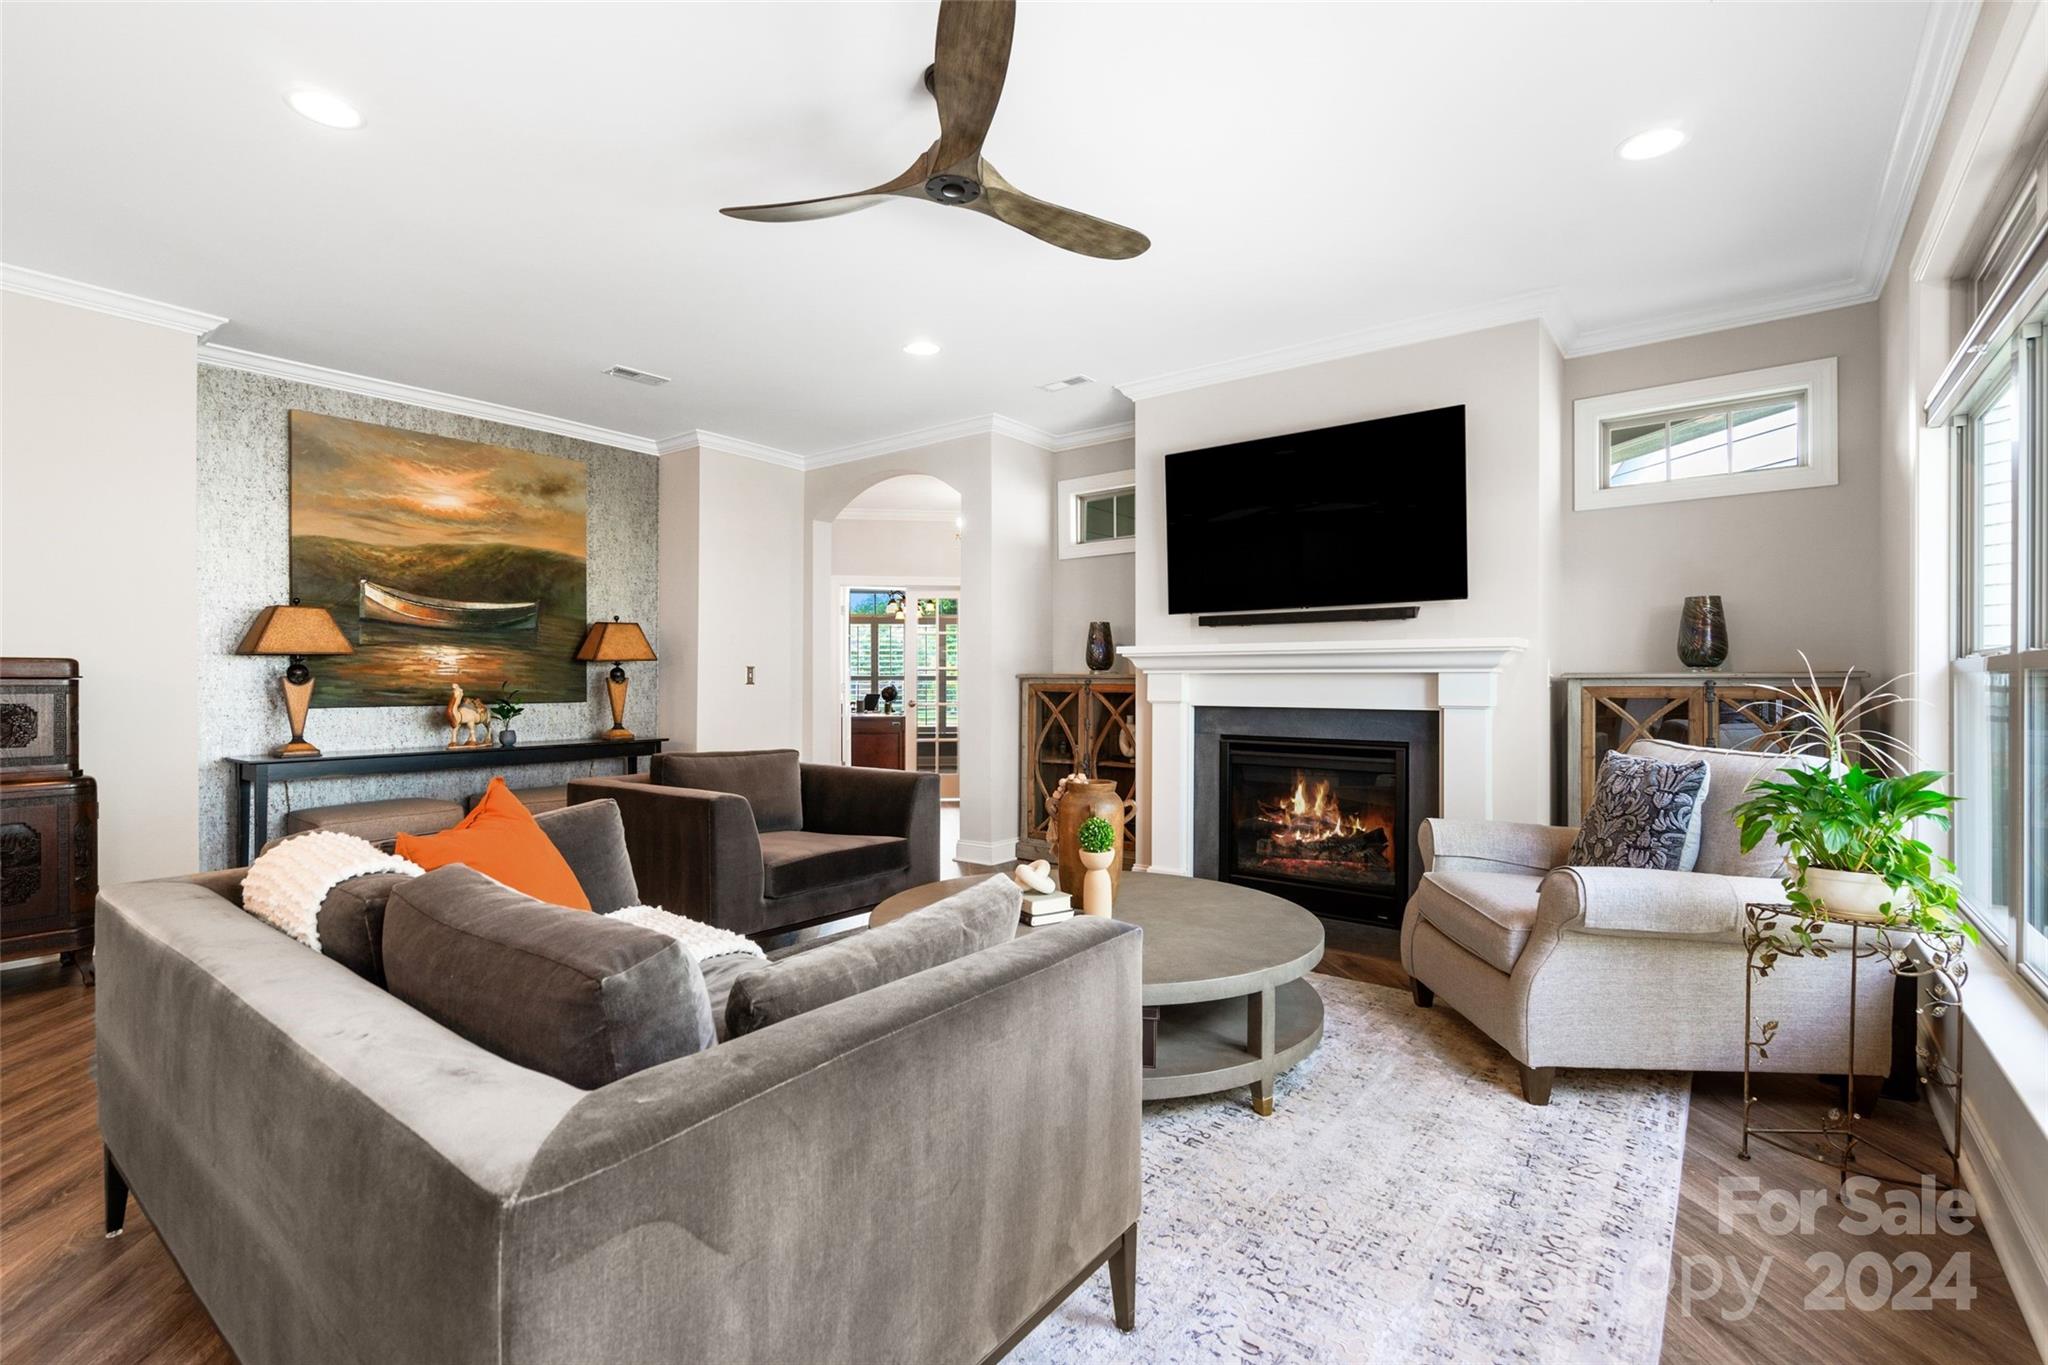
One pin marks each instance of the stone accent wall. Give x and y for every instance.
(244, 526)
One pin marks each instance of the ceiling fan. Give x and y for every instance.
(966, 79)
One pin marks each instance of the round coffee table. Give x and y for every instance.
(1226, 1002)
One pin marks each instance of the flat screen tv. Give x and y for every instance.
(1367, 514)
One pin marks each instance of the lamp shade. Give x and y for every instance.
(615, 642)
(294, 630)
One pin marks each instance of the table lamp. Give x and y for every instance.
(615, 642)
(296, 632)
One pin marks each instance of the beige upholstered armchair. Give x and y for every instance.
(1623, 967)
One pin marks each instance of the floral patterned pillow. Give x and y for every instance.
(1645, 814)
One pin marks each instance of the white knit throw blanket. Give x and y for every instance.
(701, 941)
(285, 886)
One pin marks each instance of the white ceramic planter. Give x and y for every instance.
(1852, 895)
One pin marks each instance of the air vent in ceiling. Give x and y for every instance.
(1070, 382)
(637, 376)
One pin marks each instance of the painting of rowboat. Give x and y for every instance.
(375, 602)
(444, 561)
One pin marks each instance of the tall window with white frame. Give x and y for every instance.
(2001, 662)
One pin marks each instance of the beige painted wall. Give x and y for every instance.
(1501, 376)
(888, 551)
(731, 596)
(98, 458)
(1795, 570)
(1097, 588)
(750, 603)
(681, 502)
(1019, 638)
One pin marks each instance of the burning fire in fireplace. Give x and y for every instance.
(1310, 833)
(1311, 815)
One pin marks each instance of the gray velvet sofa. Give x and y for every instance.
(916, 1173)
(757, 842)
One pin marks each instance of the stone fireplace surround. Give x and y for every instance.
(1458, 679)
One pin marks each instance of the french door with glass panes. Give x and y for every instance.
(902, 655)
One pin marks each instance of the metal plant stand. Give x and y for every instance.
(1837, 1142)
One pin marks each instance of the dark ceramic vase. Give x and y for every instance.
(1702, 633)
(507, 738)
(1101, 648)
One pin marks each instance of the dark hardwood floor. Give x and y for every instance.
(69, 1297)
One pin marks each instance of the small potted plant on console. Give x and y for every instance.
(505, 706)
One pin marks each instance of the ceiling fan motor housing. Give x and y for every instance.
(953, 189)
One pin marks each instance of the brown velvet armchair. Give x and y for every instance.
(758, 842)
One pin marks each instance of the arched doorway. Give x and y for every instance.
(897, 633)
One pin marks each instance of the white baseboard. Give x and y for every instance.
(2020, 1241)
(985, 853)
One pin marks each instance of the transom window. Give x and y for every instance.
(1097, 514)
(1108, 515)
(1702, 443)
(1762, 431)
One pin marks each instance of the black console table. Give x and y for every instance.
(255, 772)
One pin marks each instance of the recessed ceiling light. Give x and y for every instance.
(1655, 142)
(921, 347)
(329, 111)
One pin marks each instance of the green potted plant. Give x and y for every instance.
(1096, 839)
(1847, 821)
(505, 706)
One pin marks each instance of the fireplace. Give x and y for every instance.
(1323, 822)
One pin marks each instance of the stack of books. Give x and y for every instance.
(1047, 907)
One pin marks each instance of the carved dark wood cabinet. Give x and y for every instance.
(1075, 722)
(49, 813)
(1599, 714)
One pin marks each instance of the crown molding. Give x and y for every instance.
(1000, 425)
(1722, 316)
(231, 358)
(1944, 38)
(935, 515)
(1095, 436)
(984, 425)
(728, 445)
(988, 424)
(1542, 305)
(55, 288)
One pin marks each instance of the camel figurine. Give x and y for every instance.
(464, 716)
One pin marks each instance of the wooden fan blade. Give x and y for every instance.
(804, 210)
(1066, 228)
(969, 63)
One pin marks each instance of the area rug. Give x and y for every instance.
(1402, 1204)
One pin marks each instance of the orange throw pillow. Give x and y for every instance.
(500, 839)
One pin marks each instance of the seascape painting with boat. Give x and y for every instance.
(444, 561)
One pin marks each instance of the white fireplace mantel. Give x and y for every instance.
(1457, 678)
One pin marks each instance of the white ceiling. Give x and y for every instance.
(534, 196)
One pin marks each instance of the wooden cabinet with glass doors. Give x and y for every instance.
(1601, 713)
(1075, 722)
